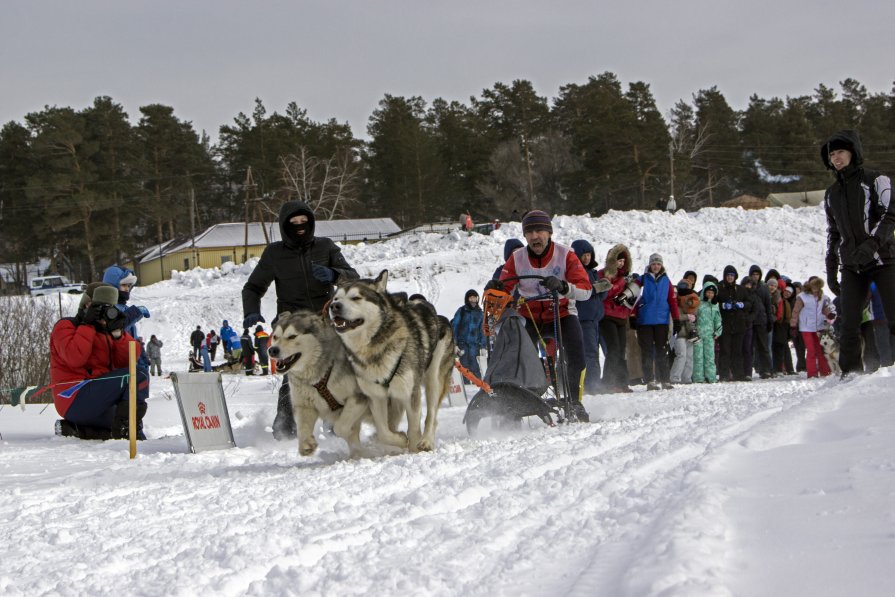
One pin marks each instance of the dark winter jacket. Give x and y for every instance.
(288, 262)
(592, 308)
(762, 312)
(748, 285)
(734, 304)
(509, 246)
(467, 325)
(197, 338)
(262, 339)
(79, 352)
(858, 208)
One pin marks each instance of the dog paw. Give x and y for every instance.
(425, 445)
(307, 447)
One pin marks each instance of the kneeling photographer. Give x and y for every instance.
(89, 368)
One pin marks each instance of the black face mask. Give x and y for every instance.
(298, 229)
(123, 295)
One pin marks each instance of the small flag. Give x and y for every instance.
(19, 396)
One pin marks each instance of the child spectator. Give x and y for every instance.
(688, 305)
(709, 328)
(810, 316)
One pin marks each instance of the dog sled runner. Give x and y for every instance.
(516, 383)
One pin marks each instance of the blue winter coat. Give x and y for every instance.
(229, 337)
(467, 326)
(653, 308)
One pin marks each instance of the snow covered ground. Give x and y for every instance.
(777, 487)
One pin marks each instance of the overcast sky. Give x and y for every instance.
(210, 59)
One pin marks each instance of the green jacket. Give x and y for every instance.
(708, 316)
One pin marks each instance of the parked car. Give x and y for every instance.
(44, 285)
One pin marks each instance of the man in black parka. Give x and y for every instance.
(735, 312)
(860, 244)
(304, 269)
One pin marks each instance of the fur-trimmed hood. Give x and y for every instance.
(610, 269)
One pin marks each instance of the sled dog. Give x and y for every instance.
(830, 345)
(321, 381)
(396, 347)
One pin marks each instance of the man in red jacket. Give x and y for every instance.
(89, 367)
(562, 272)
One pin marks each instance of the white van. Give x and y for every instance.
(53, 284)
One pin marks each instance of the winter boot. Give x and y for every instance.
(284, 423)
(667, 386)
(653, 386)
(121, 421)
(579, 412)
(68, 429)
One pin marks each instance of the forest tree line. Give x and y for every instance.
(90, 187)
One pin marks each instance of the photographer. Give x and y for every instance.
(88, 369)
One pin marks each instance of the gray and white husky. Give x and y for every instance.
(321, 381)
(396, 347)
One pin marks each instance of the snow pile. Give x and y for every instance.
(777, 487)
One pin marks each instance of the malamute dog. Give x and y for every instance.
(396, 346)
(830, 346)
(321, 381)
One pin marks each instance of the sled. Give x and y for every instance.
(521, 380)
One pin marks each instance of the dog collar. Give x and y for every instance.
(324, 392)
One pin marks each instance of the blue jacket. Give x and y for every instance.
(229, 337)
(591, 309)
(654, 307)
(467, 326)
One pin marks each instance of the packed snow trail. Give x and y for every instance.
(548, 511)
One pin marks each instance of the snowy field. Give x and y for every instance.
(778, 487)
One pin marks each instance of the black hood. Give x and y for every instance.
(295, 208)
(846, 139)
(730, 270)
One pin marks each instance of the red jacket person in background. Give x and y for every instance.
(563, 272)
(88, 369)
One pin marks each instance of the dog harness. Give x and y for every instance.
(324, 392)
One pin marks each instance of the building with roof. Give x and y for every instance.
(800, 199)
(237, 242)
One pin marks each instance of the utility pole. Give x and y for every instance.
(250, 193)
(193, 224)
(671, 160)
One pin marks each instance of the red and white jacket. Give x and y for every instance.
(557, 260)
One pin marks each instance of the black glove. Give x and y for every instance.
(864, 254)
(676, 326)
(324, 274)
(554, 284)
(632, 321)
(833, 283)
(494, 285)
(93, 314)
(251, 319)
(770, 326)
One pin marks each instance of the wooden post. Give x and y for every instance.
(132, 398)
